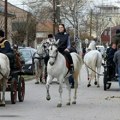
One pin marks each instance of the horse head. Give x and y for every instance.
(92, 46)
(53, 52)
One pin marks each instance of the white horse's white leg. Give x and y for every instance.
(76, 77)
(37, 70)
(98, 76)
(49, 79)
(88, 75)
(43, 72)
(60, 92)
(69, 91)
(2, 92)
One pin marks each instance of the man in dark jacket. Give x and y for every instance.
(110, 55)
(5, 48)
(73, 47)
(116, 59)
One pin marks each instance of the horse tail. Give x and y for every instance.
(79, 65)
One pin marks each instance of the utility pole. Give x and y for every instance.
(5, 15)
(91, 17)
(54, 16)
(75, 15)
(58, 12)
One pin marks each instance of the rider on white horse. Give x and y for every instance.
(64, 44)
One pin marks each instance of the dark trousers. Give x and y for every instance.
(11, 59)
(67, 54)
(46, 59)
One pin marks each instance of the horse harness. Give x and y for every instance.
(55, 57)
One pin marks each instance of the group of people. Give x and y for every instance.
(64, 46)
(113, 56)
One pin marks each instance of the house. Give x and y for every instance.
(25, 28)
(21, 24)
(108, 33)
(108, 16)
(2, 21)
(43, 29)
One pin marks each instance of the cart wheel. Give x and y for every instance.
(105, 79)
(21, 89)
(108, 85)
(13, 91)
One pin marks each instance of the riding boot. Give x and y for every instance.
(71, 69)
(70, 61)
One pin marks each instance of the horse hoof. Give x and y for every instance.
(68, 103)
(95, 83)
(98, 86)
(59, 105)
(48, 98)
(2, 105)
(88, 85)
(74, 102)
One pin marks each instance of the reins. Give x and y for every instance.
(3, 75)
(93, 70)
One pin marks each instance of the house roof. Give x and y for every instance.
(2, 12)
(45, 26)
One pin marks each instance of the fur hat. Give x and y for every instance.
(1, 33)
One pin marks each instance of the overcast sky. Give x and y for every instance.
(18, 2)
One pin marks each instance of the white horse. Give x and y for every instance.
(92, 46)
(56, 68)
(4, 74)
(93, 63)
(39, 66)
(38, 59)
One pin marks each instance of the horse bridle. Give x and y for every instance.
(55, 57)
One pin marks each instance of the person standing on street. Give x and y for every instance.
(116, 59)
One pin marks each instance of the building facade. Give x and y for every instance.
(108, 16)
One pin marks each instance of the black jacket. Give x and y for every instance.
(5, 47)
(110, 54)
(72, 49)
(63, 41)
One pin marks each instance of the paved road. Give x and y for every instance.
(92, 103)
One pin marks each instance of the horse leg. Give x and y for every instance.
(49, 79)
(76, 77)
(69, 91)
(3, 92)
(60, 92)
(89, 78)
(98, 76)
(36, 63)
(44, 77)
(95, 80)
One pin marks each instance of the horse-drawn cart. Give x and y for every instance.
(16, 86)
(109, 76)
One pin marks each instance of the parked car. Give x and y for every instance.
(27, 53)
